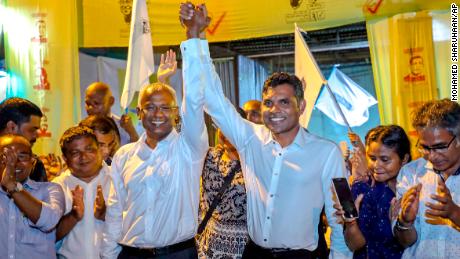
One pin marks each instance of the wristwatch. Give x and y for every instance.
(17, 188)
(401, 227)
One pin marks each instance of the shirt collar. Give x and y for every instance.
(300, 139)
(145, 151)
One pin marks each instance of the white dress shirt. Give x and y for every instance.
(85, 239)
(155, 195)
(286, 187)
(439, 240)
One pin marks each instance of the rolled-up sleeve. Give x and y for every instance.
(52, 208)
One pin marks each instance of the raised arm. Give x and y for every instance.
(235, 128)
(193, 127)
(42, 214)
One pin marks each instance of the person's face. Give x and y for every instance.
(443, 159)
(98, 103)
(29, 129)
(383, 162)
(253, 113)
(107, 144)
(158, 113)
(280, 110)
(24, 159)
(83, 157)
(416, 66)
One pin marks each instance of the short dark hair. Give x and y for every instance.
(102, 124)
(74, 133)
(391, 136)
(279, 78)
(438, 114)
(17, 110)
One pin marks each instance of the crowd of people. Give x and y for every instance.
(264, 191)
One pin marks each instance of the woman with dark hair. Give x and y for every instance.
(223, 232)
(387, 149)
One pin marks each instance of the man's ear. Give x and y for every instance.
(11, 128)
(302, 105)
(111, 101)
(138, 111)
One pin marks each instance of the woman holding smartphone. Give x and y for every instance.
(387, 149)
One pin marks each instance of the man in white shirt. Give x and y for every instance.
(287, 170)
(85, 183)
(429, 220)
(99, 101)
(152, 209)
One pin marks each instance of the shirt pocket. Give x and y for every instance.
(35, 238)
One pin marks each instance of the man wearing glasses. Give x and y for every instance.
(152, 209)
(429, 221)
(29, 210)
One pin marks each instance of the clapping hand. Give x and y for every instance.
(99, 204)
(78, 205)
(8, 166)
(410, 204)
(445, 206)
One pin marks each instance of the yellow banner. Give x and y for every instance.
(106, 22)
(41, 52)
(412, 67)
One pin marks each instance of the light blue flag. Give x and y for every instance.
(352, 99)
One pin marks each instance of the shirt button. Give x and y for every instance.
(265, 240)
(279, 154)
(271, 195)
(268, 217)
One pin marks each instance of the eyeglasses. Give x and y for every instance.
(437, 149)
(163, 108)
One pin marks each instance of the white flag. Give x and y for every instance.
(140, 54)
(308, 71)
(352, 99)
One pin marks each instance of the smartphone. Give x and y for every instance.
(343, 193)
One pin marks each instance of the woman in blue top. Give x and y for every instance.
(374, 187)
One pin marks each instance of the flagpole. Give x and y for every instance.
(337, 106)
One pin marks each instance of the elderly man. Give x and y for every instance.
(287, 170)
(29, 210)
(99, 101)
(152, 209)
(252, 110)
(22, 117)
(429, 221)
(85, 184)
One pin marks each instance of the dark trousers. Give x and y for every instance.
(253, 251)
(189, 252)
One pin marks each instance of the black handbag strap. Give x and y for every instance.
(227, 180)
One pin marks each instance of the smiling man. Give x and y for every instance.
(22, 117)
(85, 183)
(287, 171)
(429, 221)
(152, 209)
(29, 210)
